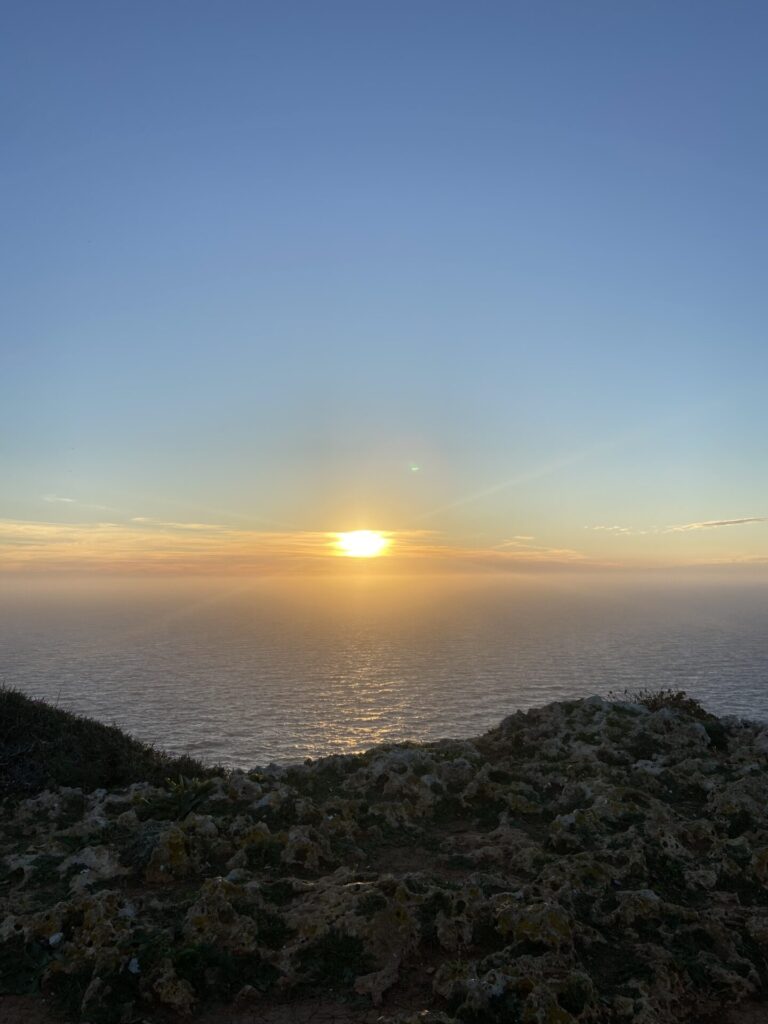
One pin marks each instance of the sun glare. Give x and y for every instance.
(362, 544)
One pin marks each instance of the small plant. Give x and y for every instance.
(187, 794)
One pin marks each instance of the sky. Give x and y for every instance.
(488, 277)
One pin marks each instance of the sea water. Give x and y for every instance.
(246, 672)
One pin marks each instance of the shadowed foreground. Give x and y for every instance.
(587, 861)
(42, 746)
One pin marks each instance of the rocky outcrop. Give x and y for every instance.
(587, 861)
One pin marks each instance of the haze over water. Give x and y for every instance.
(249, 672)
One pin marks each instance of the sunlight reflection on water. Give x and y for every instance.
(286, 670)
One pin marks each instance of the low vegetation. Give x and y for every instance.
(655, 700)
(588, 862)
(42, 746)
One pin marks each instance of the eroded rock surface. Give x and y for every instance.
(585, 861)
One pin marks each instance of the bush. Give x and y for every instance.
(42, 746)
(655, 700)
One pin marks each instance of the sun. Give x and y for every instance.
(362, 544)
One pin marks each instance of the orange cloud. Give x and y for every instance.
(149, 546)
(145, 545)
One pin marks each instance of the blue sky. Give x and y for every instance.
(262, 258)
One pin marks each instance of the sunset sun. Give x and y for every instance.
(362, 544)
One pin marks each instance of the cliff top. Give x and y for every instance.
(591, 860)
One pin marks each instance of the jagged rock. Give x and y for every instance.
(173, 991)
(212, 918)
(97, 863)
(170, 859)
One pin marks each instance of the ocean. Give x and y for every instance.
(249, 672)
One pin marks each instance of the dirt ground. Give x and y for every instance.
(24, 1010)
(749, 1013)
(310, 1012)
(34, 1010)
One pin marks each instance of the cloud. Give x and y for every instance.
(708, 524)
(163, 524)
(516, 553)
(712, 523)
(58, 500)
(151, 546)
(614, 529)
(523, 549)
(148, 546)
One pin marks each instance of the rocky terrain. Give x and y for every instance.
(591, 860)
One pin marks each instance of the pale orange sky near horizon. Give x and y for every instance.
(146, 546)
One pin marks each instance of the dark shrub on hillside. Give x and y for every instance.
(655, 700)
(42, 746)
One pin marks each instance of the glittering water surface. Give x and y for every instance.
(247, 673)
